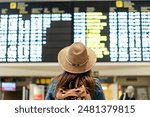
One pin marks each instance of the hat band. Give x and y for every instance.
(77, 65)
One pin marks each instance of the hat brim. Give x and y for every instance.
(76, 69)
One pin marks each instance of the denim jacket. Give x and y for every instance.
(98, 92)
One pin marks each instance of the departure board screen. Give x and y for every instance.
(34, 32)
(118, 31)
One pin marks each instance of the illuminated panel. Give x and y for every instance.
(12, 38)
(91, 27)
(8, 86)
(134, 36)
(94, 39)
(23, 39)
(113, 36)
(37, 31)
(145, 22)
(129, 32)
(122, 36)
(79, 27)
(36, 37)
(32, 32)
(3, 37)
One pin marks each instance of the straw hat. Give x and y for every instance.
(76, 58)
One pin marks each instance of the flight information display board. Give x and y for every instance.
(34, 32)
(118, 31)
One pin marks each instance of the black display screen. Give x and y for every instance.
(37, 31)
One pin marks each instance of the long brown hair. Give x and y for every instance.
(69, 81)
